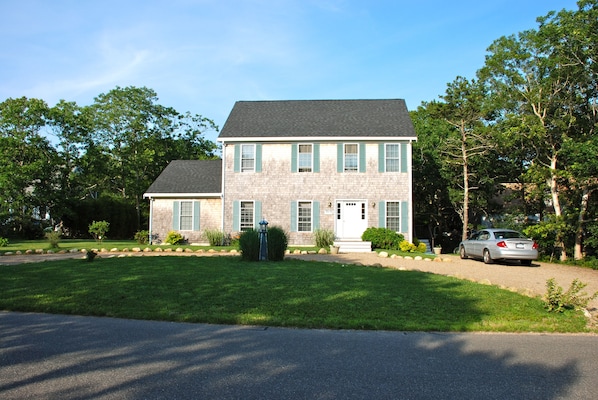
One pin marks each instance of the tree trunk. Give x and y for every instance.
(578, 250)
(465, 184)
(554, 193)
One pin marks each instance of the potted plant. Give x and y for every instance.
(437, 249)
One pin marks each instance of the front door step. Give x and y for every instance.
(353, 246)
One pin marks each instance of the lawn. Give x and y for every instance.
(292, 293)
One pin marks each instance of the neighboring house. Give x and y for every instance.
(342, 165)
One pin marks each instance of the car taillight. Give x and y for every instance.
(535, 246)
(502, 243)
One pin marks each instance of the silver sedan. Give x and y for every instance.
(499, 244)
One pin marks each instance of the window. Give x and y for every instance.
(247, 158)
(392, 159)
(304, 217)
(246, 222)
(393, 215)
(351, 158)
(305, 157)
(186, 216)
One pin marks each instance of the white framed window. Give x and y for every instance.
(393, 215)
(305, 157)
(392, 158)
(186, 216)
(246, 216)
(247, 158)
(351, 157)
(304, 216)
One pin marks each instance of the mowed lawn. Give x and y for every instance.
(292, 293)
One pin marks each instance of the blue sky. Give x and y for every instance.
(203, 55)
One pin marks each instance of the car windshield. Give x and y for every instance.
(508, 235)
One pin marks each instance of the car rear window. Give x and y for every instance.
(508, 235)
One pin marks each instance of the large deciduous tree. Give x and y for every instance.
(28, 164)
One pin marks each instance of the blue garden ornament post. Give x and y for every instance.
(263, 240)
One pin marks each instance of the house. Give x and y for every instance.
(303, 165)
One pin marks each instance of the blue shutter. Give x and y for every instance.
(404, 216)
(258, 158)
(176, 221)
(315, 215)
(294, 156)
(404, 165)
(316, 150)
(361, 157)
(339, 158)
(257, 214)
(293, 216)
(236, 212)
(381, 160)
(381, 214)
(237, 158)
(196, 209)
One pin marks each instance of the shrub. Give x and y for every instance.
(556, 300)
(407, 246)
(278, 241)
(421, 247)
(215, 237)
(142, 237)
(98, 230)
(54, 238)
(249, 243)
(382, 238)
(324, 238)
(174, 237)
(3, 242)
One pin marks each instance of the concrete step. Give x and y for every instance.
(353, 246)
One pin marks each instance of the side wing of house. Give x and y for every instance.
(186, 198)
(326, 175)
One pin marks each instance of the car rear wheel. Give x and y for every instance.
(487, 257)
(462, 252)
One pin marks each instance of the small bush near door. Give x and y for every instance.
(324, 238)
(382, 238)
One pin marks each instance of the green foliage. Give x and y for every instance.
(546, 233)
(98, 230)
(382, 238)
(54, 238)
(558, 301)
(142, 237)
(3, 242)
(249, 243)
(324, 238)
(215, 237)
(174, 237)
(407, 246)
(278, 241)
(421, 248)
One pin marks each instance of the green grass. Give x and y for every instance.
(292, 293)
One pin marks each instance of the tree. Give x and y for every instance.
(463, 109)
(28, 165)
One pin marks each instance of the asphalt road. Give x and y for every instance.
(71, 357)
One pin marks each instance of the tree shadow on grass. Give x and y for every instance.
(53, 356)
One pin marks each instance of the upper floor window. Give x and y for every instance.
(392, 158)
(351, 157)
(305, 157)
(247, 157)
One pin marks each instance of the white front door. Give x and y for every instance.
(351, 219)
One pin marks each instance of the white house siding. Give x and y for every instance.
(275, 187)
(162, 221)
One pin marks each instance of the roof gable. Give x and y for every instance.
(189, 177)
(318, 118)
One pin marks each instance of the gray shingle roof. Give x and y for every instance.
(318, 118)
(189, 176)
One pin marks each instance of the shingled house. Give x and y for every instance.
(342, 165)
